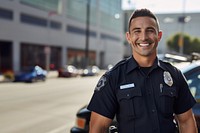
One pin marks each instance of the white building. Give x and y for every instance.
(53, 32)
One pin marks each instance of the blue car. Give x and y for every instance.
(31, 74)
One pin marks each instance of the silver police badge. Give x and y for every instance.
(168, 78)
(101, 83)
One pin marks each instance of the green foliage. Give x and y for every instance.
(189, 44)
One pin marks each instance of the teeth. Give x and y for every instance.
(144, 44)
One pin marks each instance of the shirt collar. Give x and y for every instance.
(132, 64)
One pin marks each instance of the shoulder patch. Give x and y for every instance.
(101, 83)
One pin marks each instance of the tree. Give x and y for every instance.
(173, 43)
(195, 45)
(189, 45)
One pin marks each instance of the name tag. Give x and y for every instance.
(127, 86)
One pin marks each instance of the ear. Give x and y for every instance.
(159, 35)
(128, 37)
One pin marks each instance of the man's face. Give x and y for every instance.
(144, 36)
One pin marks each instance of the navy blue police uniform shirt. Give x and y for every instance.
(143, 102)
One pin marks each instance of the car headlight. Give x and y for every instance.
(85, 71)
(80, 122)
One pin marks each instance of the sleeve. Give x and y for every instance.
(104, 100)
(185, 100)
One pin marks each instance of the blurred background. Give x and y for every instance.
(50, 39)
(53, 33)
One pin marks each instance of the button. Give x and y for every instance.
(153, 110)
(127, 95)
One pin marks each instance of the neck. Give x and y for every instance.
(144, 61)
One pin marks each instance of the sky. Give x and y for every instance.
(164, 6)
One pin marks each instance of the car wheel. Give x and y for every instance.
(43, 79)
(33, 80)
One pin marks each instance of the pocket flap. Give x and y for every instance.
(129, 93)
(169, 91)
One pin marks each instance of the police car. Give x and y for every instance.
(192, 74)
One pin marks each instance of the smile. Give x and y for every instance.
(144, 44)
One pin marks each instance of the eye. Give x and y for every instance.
(136, 31)
(150, 30)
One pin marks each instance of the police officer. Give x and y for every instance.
(143, 92)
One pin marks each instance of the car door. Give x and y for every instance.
(193, 80)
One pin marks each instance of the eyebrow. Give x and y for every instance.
(135, 29)
(140, 28)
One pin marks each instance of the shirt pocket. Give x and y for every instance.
(130, 102)
(167, 99)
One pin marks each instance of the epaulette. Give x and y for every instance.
(165, 62)
(117, 65)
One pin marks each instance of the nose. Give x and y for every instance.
(144, 36)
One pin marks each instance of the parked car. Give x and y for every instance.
(90, 71)
(192, 74)
(8, 76)
(68, 71)
(31, 74)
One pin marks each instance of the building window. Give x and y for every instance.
(80, 31)
(76, 57)
(33, 20)
(33, 54)
(55, 25)
(5, 56)
(109, 37)
(25, 18)
(6, 14)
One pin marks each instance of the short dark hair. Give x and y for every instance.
(142, 13)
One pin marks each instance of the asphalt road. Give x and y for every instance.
(43, 107)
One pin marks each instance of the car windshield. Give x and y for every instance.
(188, 67)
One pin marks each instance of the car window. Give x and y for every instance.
(194, 83)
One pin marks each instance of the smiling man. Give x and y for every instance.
(144, 93)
